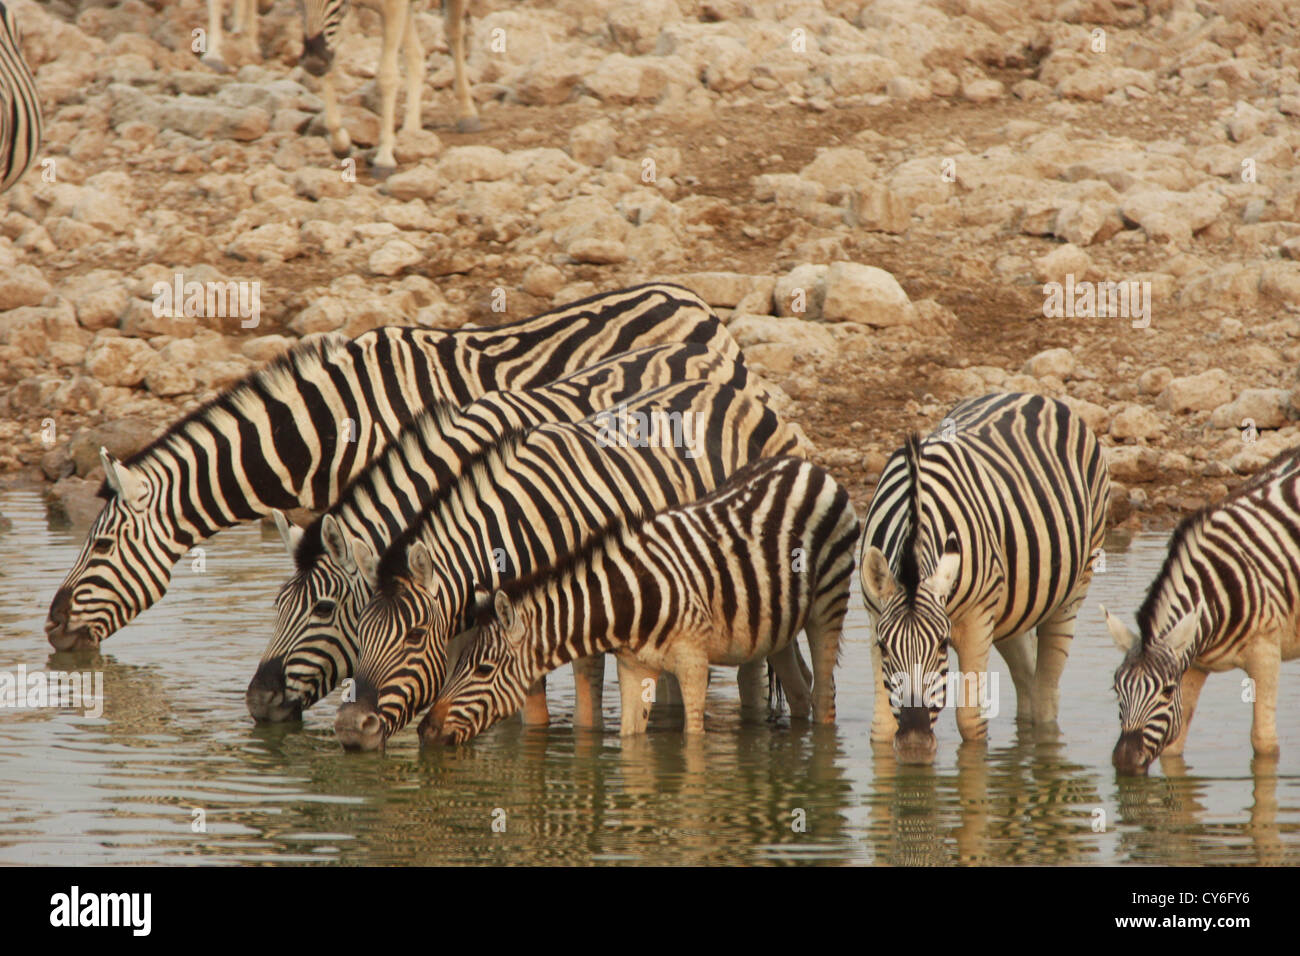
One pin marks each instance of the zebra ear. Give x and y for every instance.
(336, 543)
(420, 562)
(364, 562)
(507, 618)
(1182, 636)
(877, 580)
(128, 486)
(290, 534)
(1124, 639)
(943, 578)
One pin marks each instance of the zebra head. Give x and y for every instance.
(321, 20)
(1147, 684)
(490, 682)
(913, 632)
(402, 634)
(124, 566)
(312, 649)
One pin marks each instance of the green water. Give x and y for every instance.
(174, 738)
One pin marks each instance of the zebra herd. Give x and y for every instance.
(486, 514)
(608, 478)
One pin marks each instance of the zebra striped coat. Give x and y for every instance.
(975, 535)
(296, 432)
(313, 647)
(727, 579)
(20, 108)
(535, 497)
(1227, 596)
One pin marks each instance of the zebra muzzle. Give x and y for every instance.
(57, 632)
(1130, 755)
(432, 732)
(359, 727)
(266, 699)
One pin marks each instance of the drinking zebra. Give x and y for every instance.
(322, 21)
(1227, 596)
(20, 108)
(296, 432)
(531, 499)
(728, 579)
(975, 535)
(313, 647)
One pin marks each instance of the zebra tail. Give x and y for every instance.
(775, 693)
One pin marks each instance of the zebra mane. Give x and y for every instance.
(1191, 525)
(269, 380)
(909, 570)
(477, 475)
(433, 420)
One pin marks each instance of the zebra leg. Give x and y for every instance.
(340, 141)
(1189, 692)
(824, 639)
(453, 19)
(1018, 652)
(396, 15)
(588, 682)
(414, 76)
(884, 725)
(749, 680)
(250, 17)
(1263, 663)
(1054, 637)
(634, 712)
(535, 712)
(212, 56)
(691, 668)
(668, 695)
(786, 663)
(972, 658)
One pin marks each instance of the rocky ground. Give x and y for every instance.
(874, 196)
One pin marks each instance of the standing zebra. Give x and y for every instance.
(1227, 596)
(322, 21)
(296, 432)
(728, 579)
(533, 498)
(313, 648)
(974, 536)
(20, 108)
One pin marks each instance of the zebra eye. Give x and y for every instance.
(415, 636)
(102, 545)
(323, 608)
(484, 670)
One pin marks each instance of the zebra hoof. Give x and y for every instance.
(214, 63)
(469, 124)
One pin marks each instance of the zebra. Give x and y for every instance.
(534, 497)
(296, 432)
(20, 107)
(975, 535)
(322, 21)
(1227, 596)
(728, 579)
(312, 648)
(243, 17)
